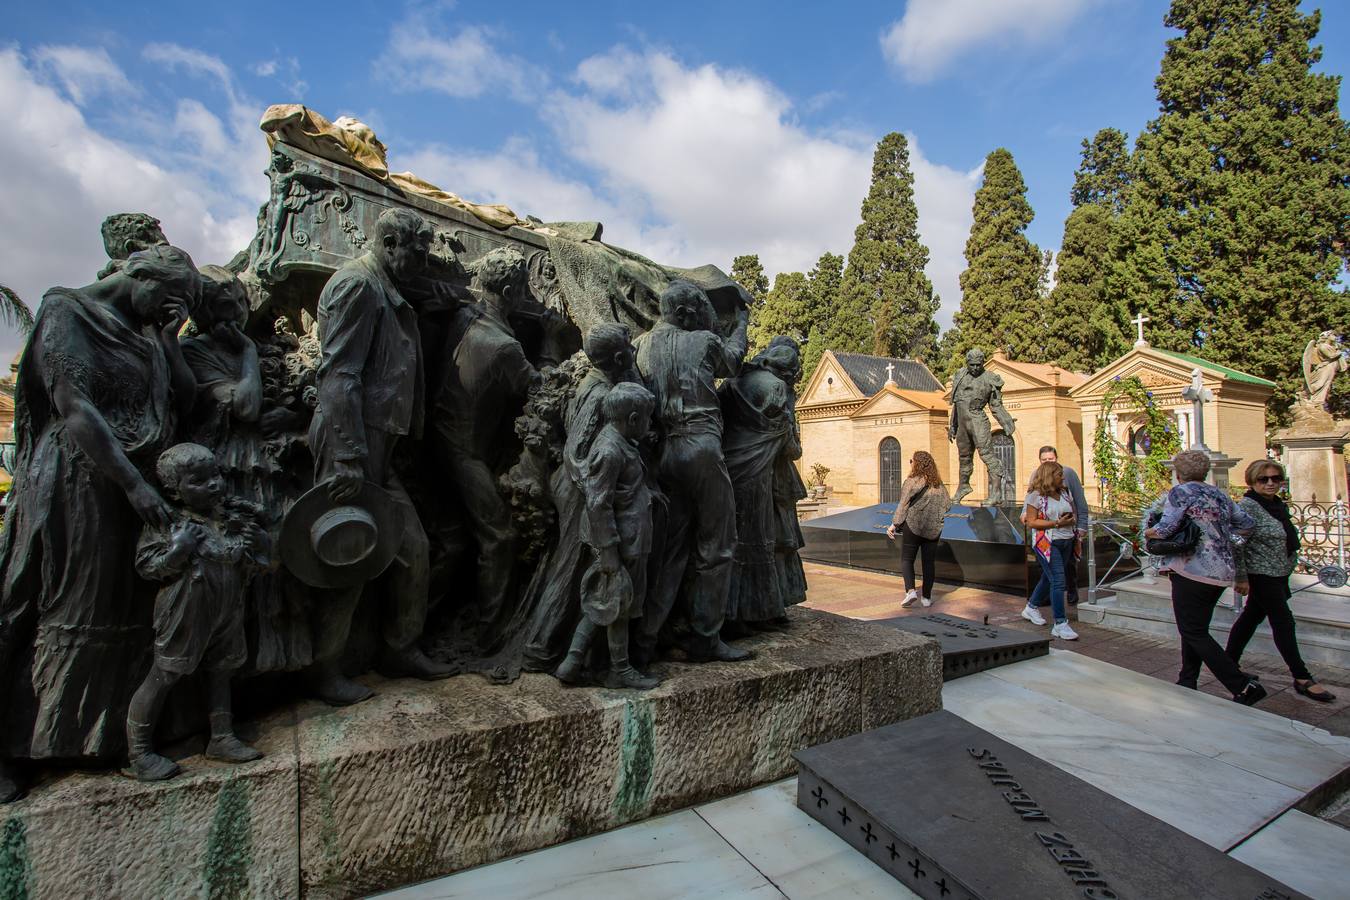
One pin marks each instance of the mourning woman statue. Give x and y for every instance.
(102, 384)
(788, 487)
(231, 418)
(557, 608)
(757, 417)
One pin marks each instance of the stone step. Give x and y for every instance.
(1322, 618)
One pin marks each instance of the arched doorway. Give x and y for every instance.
(1006, 452)
(890, 470)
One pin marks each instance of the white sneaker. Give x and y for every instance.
(1064, 632)
(1033, 615)
(909, 599)
(926, 601)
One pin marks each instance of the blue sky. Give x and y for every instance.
(694, 131)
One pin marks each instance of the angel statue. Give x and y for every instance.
(1323, 359)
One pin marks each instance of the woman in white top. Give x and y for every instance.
(1048, 510)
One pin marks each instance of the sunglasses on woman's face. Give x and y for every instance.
(1269, 479)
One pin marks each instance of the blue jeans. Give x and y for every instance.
(1052, 578)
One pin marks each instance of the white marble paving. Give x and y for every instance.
(1304, 852)
(1207, 798)
(802, 858)
(1272, 746)
(669, 857)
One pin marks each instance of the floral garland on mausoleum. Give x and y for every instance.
(1128, 481)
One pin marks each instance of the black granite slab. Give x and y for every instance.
(981, 546)
(969, 646)
(955, 813)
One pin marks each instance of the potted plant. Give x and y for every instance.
(819, 489)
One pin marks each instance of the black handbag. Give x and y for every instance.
(1181, 543)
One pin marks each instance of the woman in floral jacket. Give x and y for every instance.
(1200, 576)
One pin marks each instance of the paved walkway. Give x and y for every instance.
(871, 595)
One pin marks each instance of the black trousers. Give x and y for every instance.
(1193, 606)
(1269, 599)
(911, 545)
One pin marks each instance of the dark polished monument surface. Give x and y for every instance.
(981, 546)
(954, 813)
(969, 646)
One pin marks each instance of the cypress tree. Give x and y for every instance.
(749, 274)
(785, 311)
(1235, 222)
(886, 302)
(1001, 308)
(1086, 328)
(823, 285)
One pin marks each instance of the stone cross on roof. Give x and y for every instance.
(1138, 322)
(890, 373)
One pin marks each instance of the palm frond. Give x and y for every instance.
(13, 311)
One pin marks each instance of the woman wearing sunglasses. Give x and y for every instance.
(1264, 564)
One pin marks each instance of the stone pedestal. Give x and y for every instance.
(1316, 463)
(429, 778)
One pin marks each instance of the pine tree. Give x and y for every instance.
(1000, 303)
(1235, 222)
(886, 302)
(1086, 328)
(823, 284)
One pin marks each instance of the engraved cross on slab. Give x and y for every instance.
(844, 816)
(917, 866)
(819, 794)
(868, 834)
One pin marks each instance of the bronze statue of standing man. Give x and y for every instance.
(973, 389)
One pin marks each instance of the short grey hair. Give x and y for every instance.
(1191, 465)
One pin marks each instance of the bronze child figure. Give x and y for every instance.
(204, 558)
(617, 527)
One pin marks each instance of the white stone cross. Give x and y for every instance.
(1139, 321)
(890, 373)
(1199, 395)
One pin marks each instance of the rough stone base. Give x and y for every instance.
(430, 778)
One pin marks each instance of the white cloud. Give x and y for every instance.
(84, 72)
(945, 198)
(718, 160)
(63, 176)
(715, 153)
(265, 69)
(465, 64)
(932, 33)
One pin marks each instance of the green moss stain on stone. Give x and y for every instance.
(229, 846)
(637, 761)
(15, 868)
(328, 825)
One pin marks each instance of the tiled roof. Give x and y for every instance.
(869, 373)
(1233, 374)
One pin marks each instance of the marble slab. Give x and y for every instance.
(956, 813)
(1205, 797)
(805, 860)
(1304, 852)
(1250, 739)
(665, 858)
